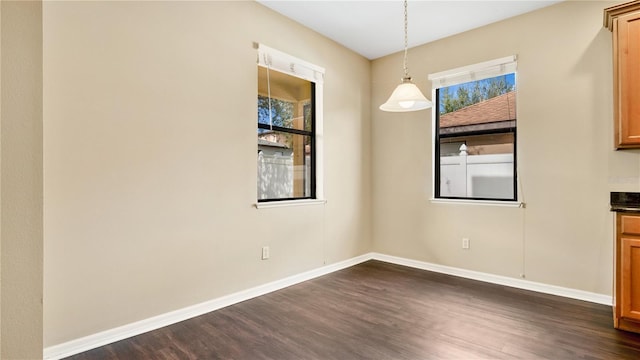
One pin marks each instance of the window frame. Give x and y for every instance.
(475, 72)
(312, 145)
(276, 60)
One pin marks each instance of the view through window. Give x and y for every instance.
(286, 151)
(476, 139)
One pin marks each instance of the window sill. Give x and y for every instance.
(288, 203)
(516, 204)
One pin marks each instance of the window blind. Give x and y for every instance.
(285, 63)
(479, 71)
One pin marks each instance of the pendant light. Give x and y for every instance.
(407, 96)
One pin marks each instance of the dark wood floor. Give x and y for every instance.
(377, 310)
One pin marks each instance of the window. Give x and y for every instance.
(289, 122)
(475, 132)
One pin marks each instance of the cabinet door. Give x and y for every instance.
(628, 81)
(630, 278)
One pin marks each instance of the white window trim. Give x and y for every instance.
(290, 65)
(287, 203)
(479, 71)
(516, 204)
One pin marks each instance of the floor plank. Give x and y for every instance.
(377, 310)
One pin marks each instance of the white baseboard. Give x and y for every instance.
(122, 332)
(500, 280)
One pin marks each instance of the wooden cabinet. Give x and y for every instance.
(624, 21)
(626, 313)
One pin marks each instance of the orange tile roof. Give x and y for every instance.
(499, 108)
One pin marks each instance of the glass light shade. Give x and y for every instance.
(406, 97)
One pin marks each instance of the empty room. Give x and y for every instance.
(320, 179)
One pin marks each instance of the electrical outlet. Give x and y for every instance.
(465, 243)
(265, 252)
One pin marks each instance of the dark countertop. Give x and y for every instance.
(625, 209)
(625, 201)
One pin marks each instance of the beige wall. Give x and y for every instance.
(565, 159)
(150, 160)
(21, 181)
(149, 167)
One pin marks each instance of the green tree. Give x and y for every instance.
(281, 112)
(472, 93)
(447, 100)
(477, 94)
(496, 87)
(464, 99)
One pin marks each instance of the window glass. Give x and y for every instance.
(476, 139)
(286, 136)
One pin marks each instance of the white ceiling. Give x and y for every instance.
(375, 28)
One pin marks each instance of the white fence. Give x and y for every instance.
(477, 176)
(276, 174)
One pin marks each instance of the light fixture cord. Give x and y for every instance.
(406, 41)
(269, 91)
